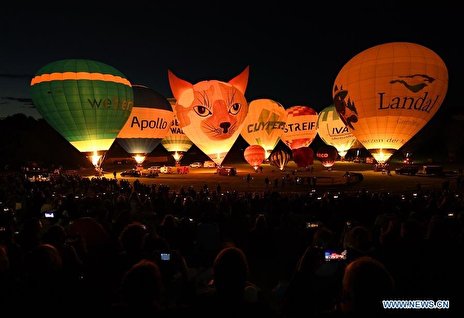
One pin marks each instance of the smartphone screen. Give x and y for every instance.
(49, 214)
(331, 255)
(311, 225)
(165, 256)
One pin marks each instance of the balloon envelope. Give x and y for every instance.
(333, 130)
(148, 122)
(387, 93)
(327, 155)
(300, 129)
(303, 156)
(254, 155)
(211, 113)
(264, 124)
(279, 159)
(86, 101)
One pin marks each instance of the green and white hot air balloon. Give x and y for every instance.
(333, 131)
(87, 102)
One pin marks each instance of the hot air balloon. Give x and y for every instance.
(148, 123)
(211, 113)
(333, 131)
(254, 155)
(387, 93)
(264, 124)
(327, 155)
(300, 129)
(176, 142)
(279, 159)
(86, 101)
(303, 156)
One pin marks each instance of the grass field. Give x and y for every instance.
(331, 180)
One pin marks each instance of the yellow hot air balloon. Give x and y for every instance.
(148, 123)
(387, 93)
(176, 142)
(333, 131)
(264, 124)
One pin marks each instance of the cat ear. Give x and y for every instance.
(178, 86)
(240, 81)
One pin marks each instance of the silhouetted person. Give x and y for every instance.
(132, 241)
(141, 290)
(366, 283)
(232, 295)
(358, 242)
(43, 283)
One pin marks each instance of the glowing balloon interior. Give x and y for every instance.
(211, 113)
(303, 156)
(176, 142)
(86, 101)
(254, 155)
(333, 131)
(387, 93)
(327, 155)
(300, 129)
(279, 159)
(264, 124)
(148, 123)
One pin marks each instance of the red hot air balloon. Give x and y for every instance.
(327, 155)
(300, 129)
(303, 156)
(254, 155)
(279, 159)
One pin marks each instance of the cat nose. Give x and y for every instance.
(225, 126)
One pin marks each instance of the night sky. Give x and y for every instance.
(294, 53)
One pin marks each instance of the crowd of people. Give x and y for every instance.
(114, 246)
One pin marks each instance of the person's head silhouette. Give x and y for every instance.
(366, 283)
(230, 271)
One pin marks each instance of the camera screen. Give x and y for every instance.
(334, 256)
(311, 225)
(165, 256)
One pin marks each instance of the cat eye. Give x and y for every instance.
(202, 111)
(234, 109)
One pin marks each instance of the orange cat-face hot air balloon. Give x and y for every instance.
(387, 93)
(211, 113)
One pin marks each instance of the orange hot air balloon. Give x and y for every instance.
(387, 93)
(255, 155)
(211, 113)
(300, 129)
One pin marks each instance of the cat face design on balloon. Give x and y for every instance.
(215, 110)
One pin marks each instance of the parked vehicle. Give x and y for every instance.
(431, 170)
(166, 169)
(209, 164)
(131, 173)
(148, 173)
(227, 171)
(154, 168)
(407, 169)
